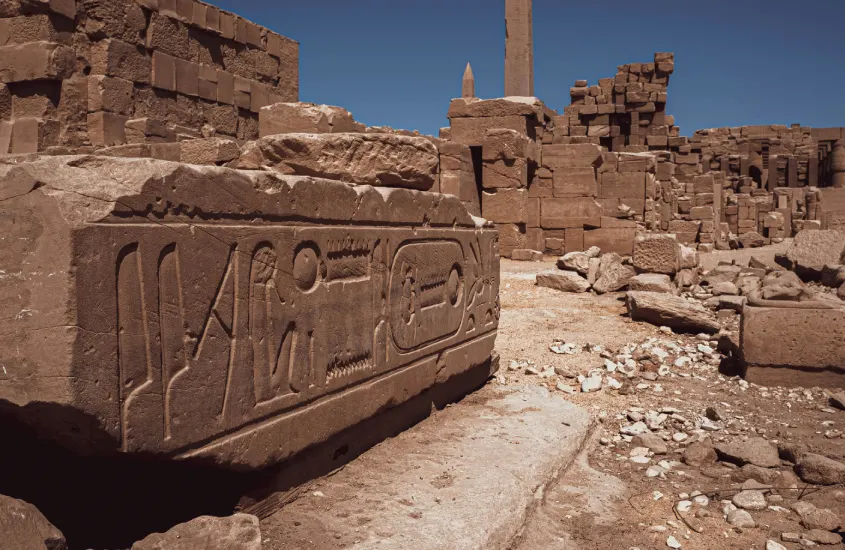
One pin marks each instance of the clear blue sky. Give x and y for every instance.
(738, 62)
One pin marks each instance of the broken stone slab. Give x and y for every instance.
(564, 281)
(197, 311)
(613, 275)
(752, 239)
(657, 254)
(800, 345)
(237, 532)
(526, 255)
(500, 107)
(22, 526)
(465, 507)
(734, 303)
(671, 311)
(578, 261)
(306, 118)
(756, 451)
(382, 160)
(811, 250)
(652, 282)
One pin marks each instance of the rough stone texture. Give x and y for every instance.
(817, 518)
(162, 279)
(23, 527)
(613, 274)
(671, 311)
(565, 281)
(306, 118)
(238, 532)
(820, 470)
(756, 451)
(384, 160)
(651, 282)
(526, 255)
(652, 442)
(578, 261)
(208, 151)
(657, 254)
(752, 239)
(793, 346)
(812, 250)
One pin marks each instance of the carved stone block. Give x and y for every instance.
(243, 316)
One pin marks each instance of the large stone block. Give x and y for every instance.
(307, 118)
(243, 316)
(472, 131)
(612, 239)
(657, 254)
(793, 346)
(571, 213)
(505, 205)
(502, 107)
(386, 160)
(123, 60)
(811, 251)
(36, 61)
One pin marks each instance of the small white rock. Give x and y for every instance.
(672, 542)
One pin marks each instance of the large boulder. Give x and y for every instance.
(564, 281)
(752, 239)
(671, 311)
(613, 275)
(381, 160)
(820, 470)
(23, 527)
(659, 254)
(238, 532)
(811, 251)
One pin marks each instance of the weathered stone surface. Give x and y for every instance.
(816, 518)
(756, 451)
(652, 442)
(700, 453)
(238, 532)
(565, 281)
(671, 311)
(526, 255)
(23, 527)
(208, 151)
(500, 107)
(244, 316)
(793, 346)
(35, 61)
(613, 275)
(820, 470)
(578, 261)
(651, 282)
(385, 160)
(306, 118)
(519, 48)
(657, 254)
(752, 239)
(811, 251)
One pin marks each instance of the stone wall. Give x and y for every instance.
(87, 73)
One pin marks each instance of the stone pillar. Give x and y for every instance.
(468, 88)
(519, 48)
(837, 164)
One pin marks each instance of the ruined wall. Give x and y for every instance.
(95, 74)
(627, 110)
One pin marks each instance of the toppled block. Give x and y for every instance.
(651, 282)
(209, 151)
(526, 255)
(305, 118)
(811, 251)
(794, 345)
(657, 254)
(36, 61)
(564, 281)
(612, 274)
(384, 160)
(671, 311)
(242, 316)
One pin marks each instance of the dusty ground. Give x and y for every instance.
(605, 501)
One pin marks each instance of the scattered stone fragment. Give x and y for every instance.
(750, 500)
(578, 261)
(564, 281)
(772, 545)
(741, 518)
(672, 542)
(651, 282)
(838, 400)
(822, 537)
(526, 255)
(613, 274)
(700, 453)
(652, 442)
(755, 451)
(591, 384)
(816, 518)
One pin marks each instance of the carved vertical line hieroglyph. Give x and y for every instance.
(134, 353)
(172, 325)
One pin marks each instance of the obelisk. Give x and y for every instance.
(468, 87)
(519, 48)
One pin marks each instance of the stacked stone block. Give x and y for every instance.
(103, 74)
(628, 110)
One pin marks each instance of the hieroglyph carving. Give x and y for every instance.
(223, 326)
